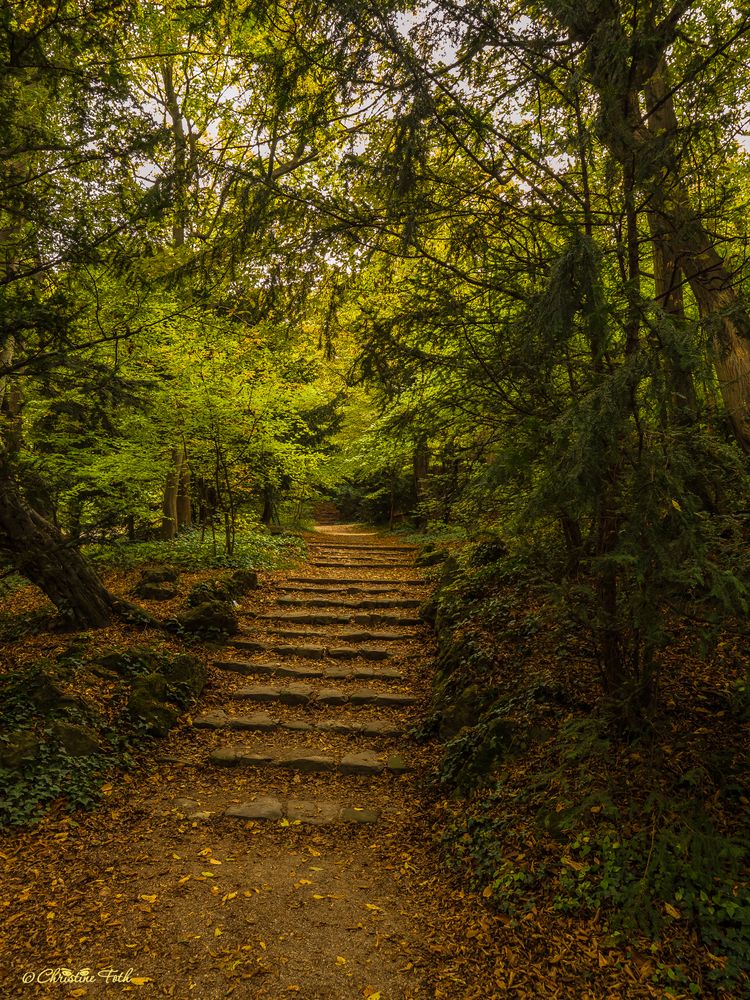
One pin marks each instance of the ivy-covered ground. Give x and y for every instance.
(630, 849)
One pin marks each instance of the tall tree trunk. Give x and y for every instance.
(184, 501)
(169, 519)
(38, 551)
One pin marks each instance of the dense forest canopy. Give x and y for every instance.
(514, 235)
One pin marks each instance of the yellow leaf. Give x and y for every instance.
(262, 944)
(487, 891)
(148, 899)
(313, 852)
(140, 980)
(208, 874)
(213, 861)
(304, 881)
(228, 895)
(340, 960)
(373, 996)
(676, 505)
(205, 852)
(218, 931)
(183, 880)
(672, 911)
(372, 906)
(285, 822)
(177, 857)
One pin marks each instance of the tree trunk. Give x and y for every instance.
(38, 551)
(169, 519)
(184, 507)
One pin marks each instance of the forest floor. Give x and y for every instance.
(211, 905)
(170, 895)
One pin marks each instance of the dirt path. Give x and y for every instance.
(278, 847)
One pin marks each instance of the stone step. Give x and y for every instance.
(301, 811)
(355, 564)
(323, 618)
(328, 602)
(331, 580)
(248, 669)
(313, 652)
(365, 762)
(406, 550)
(348, 636)
(260, 722)
(328, 588)
(306, 694)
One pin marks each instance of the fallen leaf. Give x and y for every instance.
(148, 899)
(340, 960)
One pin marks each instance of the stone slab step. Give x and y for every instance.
(247, 669)
(333, 587)
(378, 603)
(365, 762)
(304, 694)
(325, 618)
(349, 636)
(359, 564)
(408, 550)
(359, 580)
(261, 722)
(313, 652)
(301, 811)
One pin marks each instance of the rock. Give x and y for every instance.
(379, 727)
(187, 673)
(217, 719)
(332, 696)
(353, 814)
(155, 591)
(147, 703)
(213, 618)
(126, 662)
(235, 756)
(430, 557)
(364, 762)
(77, 741)
(306, 762)
(397, 765)
(187, 806)
(258, 722)
(21, 748)
(259, 692)
(263, 807)
(210, 590)
(315, 813)
(159, 574)
(463, 711)
(44, 692)
(296, 694)
(243, 580)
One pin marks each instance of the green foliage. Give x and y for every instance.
(253, 550)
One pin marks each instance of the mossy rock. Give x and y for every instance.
(21, 748)
(147, 702)
(210, 590)
(149, 591)
(430, 557)
(428, 611)
(187, 673)
(78, 741)
(243, 580)
(212, 618)
(462, 712)
(45, 693)
(159, 574)
(126, 662)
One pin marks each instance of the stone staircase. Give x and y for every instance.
(317, 694)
